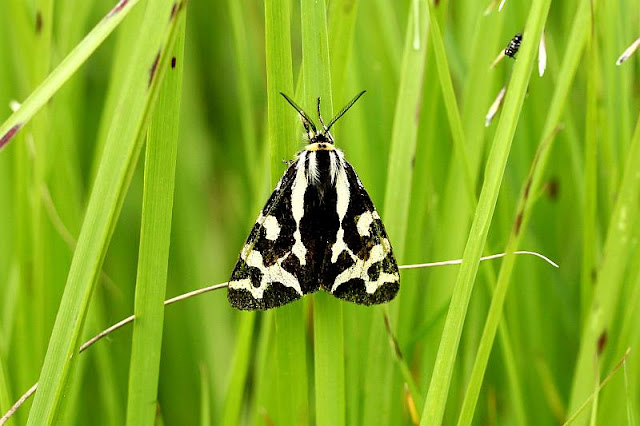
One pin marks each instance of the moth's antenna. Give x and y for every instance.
(320, 116)
(344, 110)
(327, 133)
(306, 120)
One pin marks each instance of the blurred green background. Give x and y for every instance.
(221, 366)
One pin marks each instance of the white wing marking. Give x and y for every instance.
(360, 268)
(297, 207)
(273, 273)
(342, 204)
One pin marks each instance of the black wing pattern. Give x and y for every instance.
(319, 229)
(269, 272)
(359, 266)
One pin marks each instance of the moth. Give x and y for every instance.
(513, 46)
(318, 230)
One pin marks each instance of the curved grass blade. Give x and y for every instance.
(65, 70)
(118, 162)
(439, 387)
(497, 302)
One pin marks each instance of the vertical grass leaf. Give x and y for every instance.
(608, 286)
(291, 371)
(153, 258)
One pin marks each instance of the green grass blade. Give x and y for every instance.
(121, 152)
(316, 70)
(157, 207)
(5, 401)
(263, 360)
(495, 312)
(458, 195)
(570, 61)
(342, 15)
(630, 334)
(282, 142)
(28, 228)
(291, 373)
(243, 60)
(589, 241)
(239, 366)
(328, 322)
(121, 57)
(205, 398)
(439, 387)
(405, 128)
(40, 128)
(65, 70)
(596, 395)
(617, 89)
(328, 327)
(451, 104)
(395, 212)
(607, 290)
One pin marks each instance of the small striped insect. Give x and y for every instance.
(513, 46)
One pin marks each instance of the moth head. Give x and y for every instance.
(323, 135)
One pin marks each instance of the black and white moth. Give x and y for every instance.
(318, 230)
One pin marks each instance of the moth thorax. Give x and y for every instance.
(321, 165)
(320, 146)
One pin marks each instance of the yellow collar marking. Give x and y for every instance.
(320, 146)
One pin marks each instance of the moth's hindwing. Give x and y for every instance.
(359, 266)
(268, 273)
